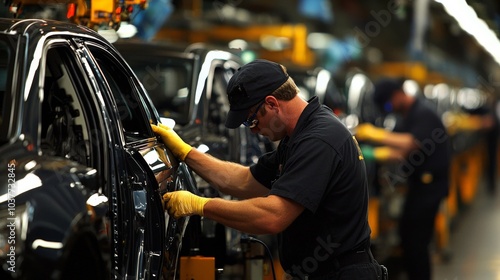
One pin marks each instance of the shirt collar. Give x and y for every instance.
(305, 117)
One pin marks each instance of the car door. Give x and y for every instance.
(79, 124)
(145, 168)
(67, 159)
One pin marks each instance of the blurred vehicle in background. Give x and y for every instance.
(84, 174)
(188, 85)
(320, 82)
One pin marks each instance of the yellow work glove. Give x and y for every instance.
(378, 153)
(184, 203)
(369, 132)
(172, 140)
(460, 122)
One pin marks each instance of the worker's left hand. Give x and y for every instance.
(184, 203)
(369, 132)
(172, 140)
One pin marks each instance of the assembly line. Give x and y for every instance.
(200, 140)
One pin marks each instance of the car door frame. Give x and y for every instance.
(144, 257)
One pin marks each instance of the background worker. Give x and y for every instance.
(421, 144)
(311, 191)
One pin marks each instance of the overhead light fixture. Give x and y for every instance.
(126, 30)
(468, 20)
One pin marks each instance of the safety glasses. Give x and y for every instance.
(252, 122)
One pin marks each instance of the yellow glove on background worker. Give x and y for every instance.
(375, 153)
(184, 203)
(369, 132)
(461, 122)
(172, 140)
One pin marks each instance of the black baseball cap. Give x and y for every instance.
(250, 85)
(385, 88)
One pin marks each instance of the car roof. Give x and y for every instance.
(39, 27)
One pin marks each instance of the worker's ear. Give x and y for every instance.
(272, 102)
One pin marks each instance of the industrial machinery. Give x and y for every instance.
(96, 14)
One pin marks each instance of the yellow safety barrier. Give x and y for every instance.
(373, 216)
(471, 170)
(452, 199)
(442, 228)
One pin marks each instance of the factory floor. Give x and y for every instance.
(474, 251)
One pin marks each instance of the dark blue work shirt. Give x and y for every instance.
(320, 167)
(428, 165)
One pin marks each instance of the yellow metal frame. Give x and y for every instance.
(298, 53)
(414, 70)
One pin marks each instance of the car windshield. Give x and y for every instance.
(5, 99)
(168, 82)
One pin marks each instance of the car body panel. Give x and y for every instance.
(86, 172)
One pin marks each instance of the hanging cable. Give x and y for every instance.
(245, 237)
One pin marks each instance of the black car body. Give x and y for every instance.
(83, 173)
(319, 82)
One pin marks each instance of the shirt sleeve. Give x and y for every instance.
(266, 169)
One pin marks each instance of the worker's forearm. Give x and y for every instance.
(401, 141)
(254, 216)
(228, 177)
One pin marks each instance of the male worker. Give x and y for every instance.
(311, 191)
(422, 146)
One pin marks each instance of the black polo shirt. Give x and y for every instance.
(320, 167)
(429, 165)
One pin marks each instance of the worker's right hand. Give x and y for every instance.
(172, 140)
(369, 132)
(184, 203)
